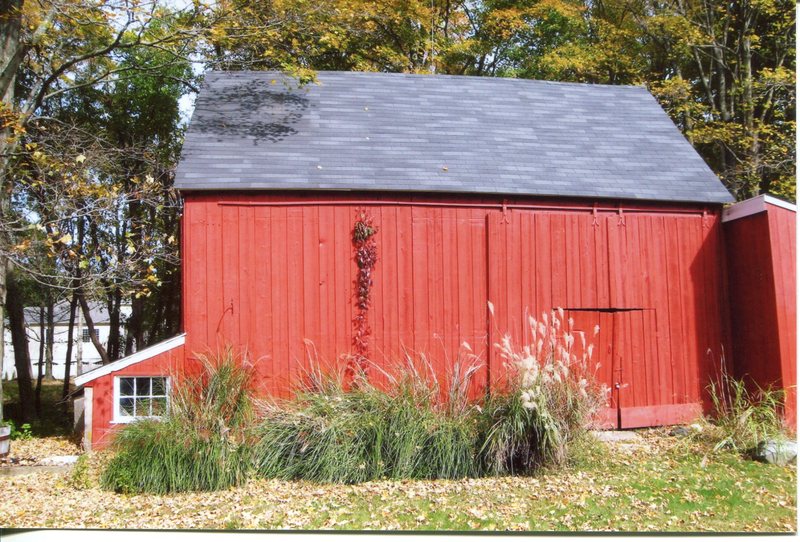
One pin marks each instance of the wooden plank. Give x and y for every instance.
(558, 260)
(228, 323)
(513, 279)
(602, 281)
(309, 294)
(573, 262)
(436, 288)
(496, 278)
(405, 277)
(420, 283)
(527, 261)
(465, 278)
(387, 271)
(281, 304)
(689, 234)
(616, 263)
(451, 332)
(247, 279)
(480, 344)
(328, 347)
(656, 415)
(196, 304)
(588, 264)
(213, 273)
(783, 239)
(675, 311)
(543, 271)
(263, 313)
(341, 255)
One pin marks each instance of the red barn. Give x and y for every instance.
(530, 195)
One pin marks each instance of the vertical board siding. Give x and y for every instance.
(782, 225)
(278, 280)
(761, 251)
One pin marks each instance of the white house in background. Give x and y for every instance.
(84, 355)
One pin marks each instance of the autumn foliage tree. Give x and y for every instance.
(724, 71)
(53, 55)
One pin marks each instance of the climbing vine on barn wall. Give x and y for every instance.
(366, 255)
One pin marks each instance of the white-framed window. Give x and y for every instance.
(87, 338)
(140, 397)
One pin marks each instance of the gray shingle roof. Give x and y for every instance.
(402, 132)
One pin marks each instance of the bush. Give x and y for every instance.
(23, 433)
(744, 418)
(331, 434)
(80, 477)
(551, 395)
(202, 443)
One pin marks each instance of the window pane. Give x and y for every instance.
(159, 407)
(85, 336)
(142, 387)
(142, 407)
(159, 386)
(126, 386)
(126, 407)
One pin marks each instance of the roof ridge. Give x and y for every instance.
(432, 75)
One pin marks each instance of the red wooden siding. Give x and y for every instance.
(274, 274)
(761, 250)
(652, 275)
(169, 363)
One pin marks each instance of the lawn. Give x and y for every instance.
(658, 483)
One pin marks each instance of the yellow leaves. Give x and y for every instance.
(504, 23)
(80, 159)
(23, 246)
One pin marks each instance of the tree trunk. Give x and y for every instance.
(73, 309)
(50, 338)
(128, 340)
(39, 371)
(135, 326)
(113, 325)
(10, 27)
(19, 339)
(87, 316)
(748, 109)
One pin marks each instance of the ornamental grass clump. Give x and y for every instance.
(549, 399)
(200, 445)
(743, 418)
(407, 429)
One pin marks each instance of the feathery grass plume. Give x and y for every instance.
(550, 396)
(201, 444)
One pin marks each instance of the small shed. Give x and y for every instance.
(761, 246)
(530, 195)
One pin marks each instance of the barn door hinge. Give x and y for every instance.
(595, 221)
(621, 221)
(705, 218)
(506, 220)
(618, 377)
